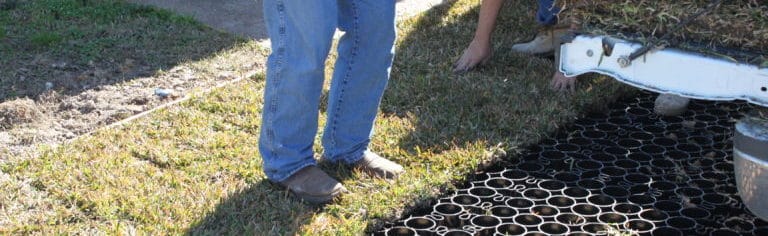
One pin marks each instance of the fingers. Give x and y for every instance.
(463, 65)
(471, 58)
(557, 85)
(561, 83)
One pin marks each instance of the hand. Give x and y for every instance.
(562, 83)
(477, 53)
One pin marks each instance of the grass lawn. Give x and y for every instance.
(195, 168)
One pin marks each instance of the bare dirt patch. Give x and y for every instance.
(55, 116)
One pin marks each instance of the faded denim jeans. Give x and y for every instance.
(301, 32)
(547, 12)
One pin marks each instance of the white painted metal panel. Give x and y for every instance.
(672, 71)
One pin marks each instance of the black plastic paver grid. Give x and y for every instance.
(627, 170)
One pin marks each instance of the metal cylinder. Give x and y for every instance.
(595, 228)
(485, 194)
(510, 229)
(451, 214)
(640, 157)
(654, 215)
(612, 218)
(466, 200)
(561, 201)
(616, 192)
(485, 225)
(739, 225)
(750, 153)
(639, 226)
(666, 231)
(536, 194)
(498, 183)
(668, 205)
(627, 208)
(586, 210)
(601, 200)
(695, 213)
(591, 184)
(570, 219)
(514, 175)
(505, 213)
(681, 223)
(528, 220)
(576, 193)
(422, 225)
(401, 231)
(552, 228)
(544, 211)
(454, 232)
(520, 203)
(567, 177)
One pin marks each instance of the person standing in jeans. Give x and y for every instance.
(301, 33)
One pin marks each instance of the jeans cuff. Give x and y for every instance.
(281, 178)
(348, 159)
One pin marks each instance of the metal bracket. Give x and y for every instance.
(668, 70)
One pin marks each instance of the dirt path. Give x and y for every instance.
(244, 17)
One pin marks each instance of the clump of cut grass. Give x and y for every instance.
(17, 112)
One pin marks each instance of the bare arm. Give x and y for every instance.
(489, 10)
(479, 50)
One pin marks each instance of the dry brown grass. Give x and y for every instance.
(17, 112)
(736, 24)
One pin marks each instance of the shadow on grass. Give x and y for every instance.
(71, 46)
(264, 208)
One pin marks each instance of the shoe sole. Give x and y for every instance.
(317, 200)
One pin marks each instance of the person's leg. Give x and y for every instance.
(549, 37)
(300, 33)
(360, 76)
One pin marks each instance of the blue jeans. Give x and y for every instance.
(547, 12)
(301, 32)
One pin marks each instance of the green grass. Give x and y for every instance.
(95, 35)
(195, 168)
(45, 39)
(89, 30)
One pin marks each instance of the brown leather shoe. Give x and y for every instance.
(544, 43)
(377, 166)
(313, 185)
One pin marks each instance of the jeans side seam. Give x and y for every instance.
(278, 73)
